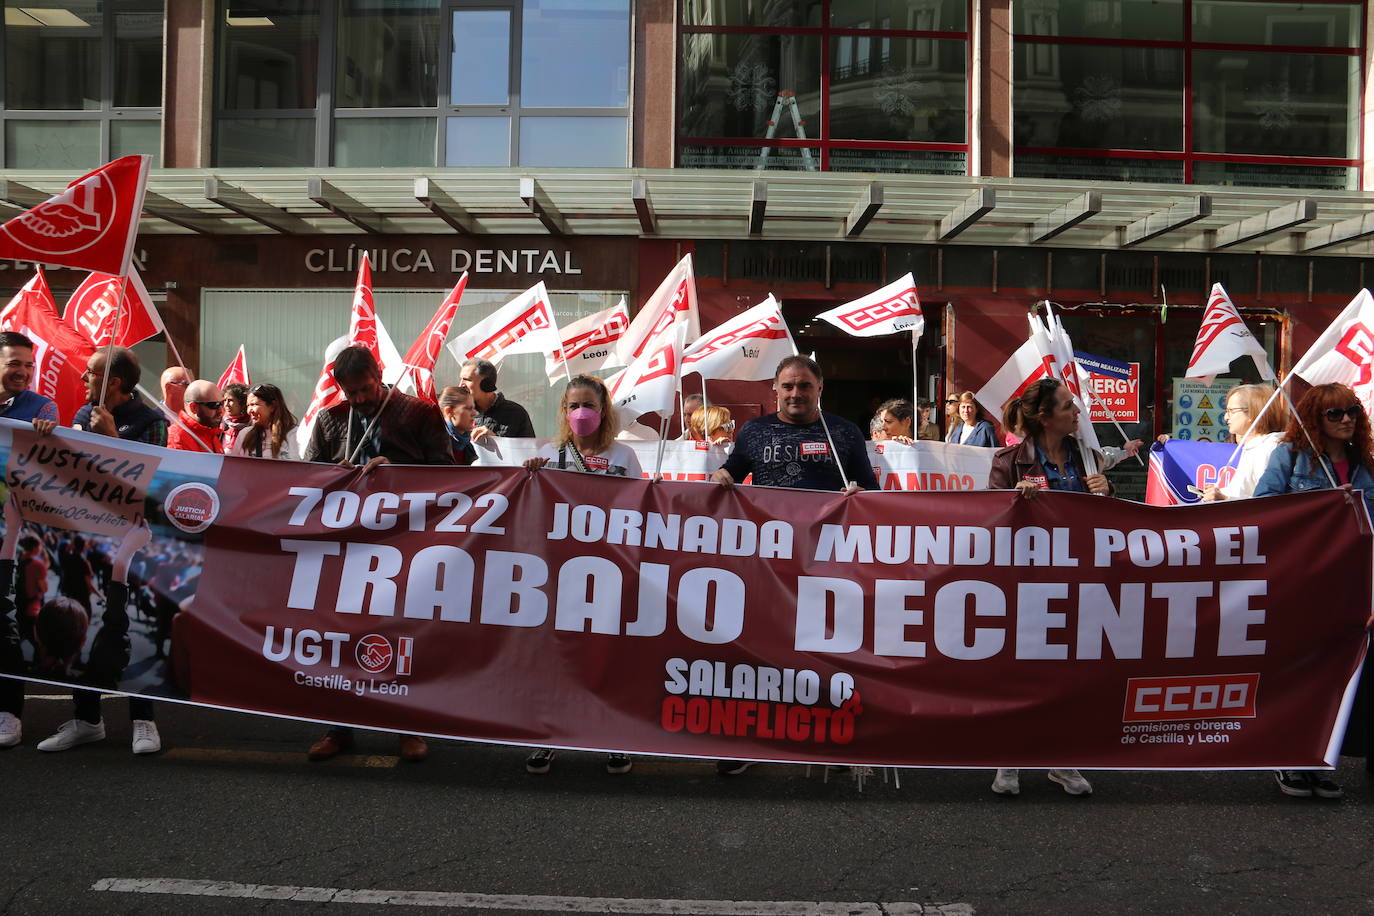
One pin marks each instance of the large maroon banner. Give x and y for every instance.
(914, 629)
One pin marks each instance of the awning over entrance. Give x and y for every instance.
(688, 203)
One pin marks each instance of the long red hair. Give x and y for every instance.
(1317, 401)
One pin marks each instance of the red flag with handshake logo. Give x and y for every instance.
(91, 225)
(94, 309)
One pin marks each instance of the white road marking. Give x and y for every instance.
(649, 906)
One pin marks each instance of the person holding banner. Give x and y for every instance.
(1244, 405)
(270, 425)
(16, 371)
(972, 428)
(897, 419)
(199, 425)
(1046, 459)
(1327, 445)
(587, 427)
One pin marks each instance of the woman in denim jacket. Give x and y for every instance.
(1330, 418)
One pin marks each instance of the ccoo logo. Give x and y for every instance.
(74, 220)
(374, 653)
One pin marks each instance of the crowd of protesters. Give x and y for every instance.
(60, 590)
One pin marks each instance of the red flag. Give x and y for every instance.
(237, 371)
(91, 225)
(362, 332)
(60, 354)
(91, 310)
(424, 352)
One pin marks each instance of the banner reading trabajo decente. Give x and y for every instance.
(940, 629)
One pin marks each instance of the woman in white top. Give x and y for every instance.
(1243, 405)
(587, 429)
(271, 423)
(585, 442)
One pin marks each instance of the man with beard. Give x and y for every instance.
(198, 427)
(374, 426)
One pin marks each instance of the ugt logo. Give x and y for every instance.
(74, 220)
(374, 653)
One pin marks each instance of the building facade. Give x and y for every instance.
(1116, 157)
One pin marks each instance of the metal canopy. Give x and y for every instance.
(701, 204)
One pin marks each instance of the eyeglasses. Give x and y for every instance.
(951, 400)
(1230, 410)
(213, 405)
(1336, 414)
(178, 383)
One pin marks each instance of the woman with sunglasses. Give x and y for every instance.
(271, 423)
(1327, 445)
(1244, 405)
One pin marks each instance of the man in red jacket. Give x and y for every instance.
(198, 426)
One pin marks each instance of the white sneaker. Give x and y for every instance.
(72, 733)
(10, 729)
(1007, 782)
(1072, 781)
(146, 738)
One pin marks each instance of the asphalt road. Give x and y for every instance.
(233, 818)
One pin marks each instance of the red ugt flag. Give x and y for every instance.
(60, 354)
(91, 225)
(237, 371)
(92, 309)
(424, 352)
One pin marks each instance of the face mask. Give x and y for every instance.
(584, 421)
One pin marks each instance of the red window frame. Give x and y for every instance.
(823, 141)
(1188, 156)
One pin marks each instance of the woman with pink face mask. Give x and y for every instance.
(587, 429)
(585, 442)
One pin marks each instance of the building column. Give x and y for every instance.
(654, 98)
(991, 69)
(188, 84)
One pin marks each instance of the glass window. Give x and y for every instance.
(897, 89)
(779, 14)
(138, 54)
(1318, 25)
(911, 161)
(53, 57)
(735, 85)
(128, 137)
(481, 58)
(913, 15)
(1148, 20)
(388, 54)
(52, 144)
(1269, 175)
(1264, 103)
(253, 142)
(269, 54)
(587, 142)
(574, 54)
(1095, 97)
(782, 158)
(383, 142)
(478, 142)
(1092, 168)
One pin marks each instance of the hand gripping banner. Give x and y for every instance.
(887, 628)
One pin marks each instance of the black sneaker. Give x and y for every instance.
(732, 767)
(617, 764)
(1297, 783)
(542, 758)
(1324, 786)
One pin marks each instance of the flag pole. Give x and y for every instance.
(114, 335)
(834, 455)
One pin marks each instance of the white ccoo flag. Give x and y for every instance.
(523, 325)
(748, 347)
(1222, 339)
(890, 310)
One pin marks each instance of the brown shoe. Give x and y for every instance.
(413, 748)
(330, 745)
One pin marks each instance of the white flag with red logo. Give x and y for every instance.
(237, 372)
(1222, 339)
(523, 325)
(650, 383)
(589, 344)
(424, 352)
(748, 347)
(60, 354)
(1345, 351)
(91, 225)
(890, 310)
(1025, 367)
(92, 310)
(1053, 343)
(673, 303)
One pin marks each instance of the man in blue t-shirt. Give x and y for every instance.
(791, 449)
